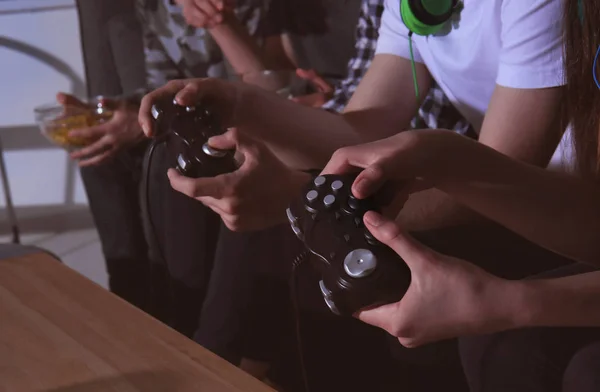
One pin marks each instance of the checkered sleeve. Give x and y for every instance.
(366, 43)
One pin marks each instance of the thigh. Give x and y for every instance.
(583, 372)
(532, 359)
(112, 190)
(239, 311)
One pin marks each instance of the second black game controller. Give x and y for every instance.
(191, 127)
(358, 272)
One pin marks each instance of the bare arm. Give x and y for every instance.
(242, 51)
(564, 302)
(522, 124)
(383, 105)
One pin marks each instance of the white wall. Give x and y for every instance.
(40, 54)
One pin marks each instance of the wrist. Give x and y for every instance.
(519, 304)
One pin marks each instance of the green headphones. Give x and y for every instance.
(426, 17)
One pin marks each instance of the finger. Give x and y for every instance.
(389, 233)
(340, 162)
(369, 181)
(209, 10)
(381, 317)
(196, 90)
(68, 99)
(227, 141)
(97, 159)
(161, 94)
(98, 147)
(195, 17)
(214, 187)
(320, 83)
(91, 132)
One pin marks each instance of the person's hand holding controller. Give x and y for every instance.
(108, 138)
(251, 198)
(447, 297)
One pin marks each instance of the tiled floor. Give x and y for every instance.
(68, 232)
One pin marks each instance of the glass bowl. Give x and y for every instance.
(57, 120)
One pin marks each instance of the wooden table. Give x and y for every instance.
(60, 332)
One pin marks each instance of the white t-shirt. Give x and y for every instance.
(512, 43)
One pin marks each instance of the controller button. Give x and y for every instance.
(327, 297)
(337, 185)
(329, 200)
(290, 216)
(213, 152)
(353, 202)
(360, 263)
(183, 165)
(358, 221)
(175, 102)
(319, 181)
(190, 109)
(371, 240)
(156, 112)
(312, 196)
(297, 232)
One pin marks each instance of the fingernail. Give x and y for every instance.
(146, 129)
(373, 219)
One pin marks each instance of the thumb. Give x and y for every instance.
(68, 99)
(227, 141)
(389, 233)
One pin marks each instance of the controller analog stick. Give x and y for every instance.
(360, 263)
(213, 152)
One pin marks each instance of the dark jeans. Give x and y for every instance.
(535, 359)
(344, 354)
(183, 235)
(112, 191)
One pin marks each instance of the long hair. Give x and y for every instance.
(581, 39)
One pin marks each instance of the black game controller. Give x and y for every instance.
(358, 272)
(191, 127)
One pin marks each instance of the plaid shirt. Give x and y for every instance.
(176, 50)
(435, 112)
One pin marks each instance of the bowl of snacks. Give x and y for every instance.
(57, 120)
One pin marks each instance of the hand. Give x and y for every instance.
(121, 131)
(223, 97)
(447, 297)
(205, 13)
(415, 156)
(253, 197)
(324, 94)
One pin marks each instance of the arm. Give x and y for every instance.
(243, 52)
(382, 106)
(530, 133)
(449, 297)
(564, 302)
(556, 210)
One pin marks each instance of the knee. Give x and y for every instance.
(509, 361)
(583, 372)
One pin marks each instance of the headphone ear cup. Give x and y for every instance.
(426, 17)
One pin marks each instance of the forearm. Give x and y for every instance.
(303, 137)
(238, 46)
(432, 209)
(555, 210)
(564, 302)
